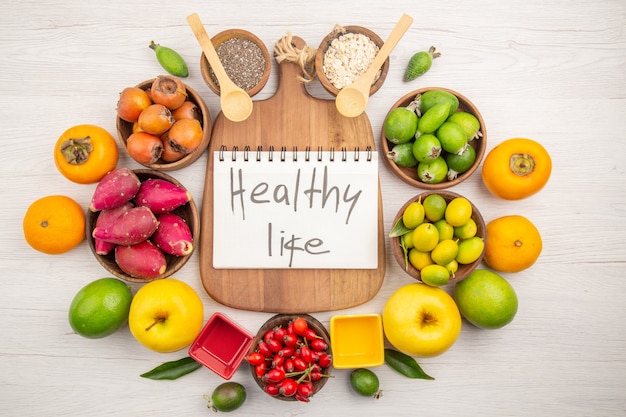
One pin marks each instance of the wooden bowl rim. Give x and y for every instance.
(123, 127)
(409, 175)
(225, 35)
(325, 43)
(464, 270)
(175, 263)
(285, 319)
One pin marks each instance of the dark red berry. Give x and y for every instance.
(272, 389)
(318, 344)
(255, 358)
(288, 387)
(274, 345)
(260, 369)
(290, 340)
(264, 349)
(325, 360)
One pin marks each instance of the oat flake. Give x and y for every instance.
(347, 58)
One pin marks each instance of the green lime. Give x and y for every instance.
(468, 122)
(400, 125)
(434, 207)
(419, 259)
(452, 137)
(470, 250)
(460, 163)
(402, 155)
(445, 252)
(426, 148)
(445, 229)
(432, 97)
(228, 396)
(435, 275)
(425, 237)
(432, 172)
(100, 308)
(433, 118)
(467, 230)
(413, 215)
(486, 299)
(365, 382)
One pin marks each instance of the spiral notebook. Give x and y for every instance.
(295, 208)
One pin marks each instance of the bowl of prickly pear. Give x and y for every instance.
(291, 357)
(433, 138)
(438, 237)
(142, 224)
(162, 123)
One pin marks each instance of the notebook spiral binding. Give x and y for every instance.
(282, 153)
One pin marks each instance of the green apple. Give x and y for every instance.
(486, 299)
(421, 320)
(166, 315)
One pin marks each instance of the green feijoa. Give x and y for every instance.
(433, 118)
(426, 148)
(469, 123)
(452, 137)
(460, 163)
(405, 364)
(400, 125)
(170, 60)
(432, 97)
(432, 172)
(402, 154)
(228, 396)
(420, 63)
(365, 382)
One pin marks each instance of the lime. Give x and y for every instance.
(458, 212)
(433, 118)
(434, 207)
(468, 122)
(452, 137)
(425, 237)
(228, 396)
(470, 250)
(445, 229)
(432, 97)
(100, 308)
(467, 230)
(413, 215)
(400, 125)
(445, 252)
(402, 155)
(435, 275)
(406, 240)
(432, 172)
(419, 259)
(452, 267)
(426, 148)
(486, 299)
(365, 382)
(460, 163)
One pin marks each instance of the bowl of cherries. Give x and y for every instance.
(290, 358)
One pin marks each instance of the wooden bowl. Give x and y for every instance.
(283, 320)
(125, 129)
(326, 42)
(409, 174)
(464, 270)
(217, 40)
(188, 212)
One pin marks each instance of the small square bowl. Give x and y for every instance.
(188, 212)
(221, 346)
(464, 269)
(226, 35)
(125, 129)
(409, 174)
(326, 43)
(358, 340)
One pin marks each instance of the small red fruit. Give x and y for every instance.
(300, 326)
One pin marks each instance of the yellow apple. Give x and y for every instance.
(421, 320)
(166, 315)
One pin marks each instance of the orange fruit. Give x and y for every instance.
(54, 224)
(513, 244)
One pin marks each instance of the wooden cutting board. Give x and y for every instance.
(291, 118)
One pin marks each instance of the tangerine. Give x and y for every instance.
(513, 244)
(54, 224)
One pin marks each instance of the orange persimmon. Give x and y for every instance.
(516, 168)
(144, 147)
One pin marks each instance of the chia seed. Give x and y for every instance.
(243, 61)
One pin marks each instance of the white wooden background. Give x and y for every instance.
(551, 70)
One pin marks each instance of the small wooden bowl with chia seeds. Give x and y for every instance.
(245, 59)
(345, 54)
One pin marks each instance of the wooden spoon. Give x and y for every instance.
(352, 99)
(235, 102)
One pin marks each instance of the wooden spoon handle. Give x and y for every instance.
(209, 50)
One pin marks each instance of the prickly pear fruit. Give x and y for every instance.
(143, 260)
(115, 189)
(161, 196)
(134, 226)
(173, 236)
(105, 219)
